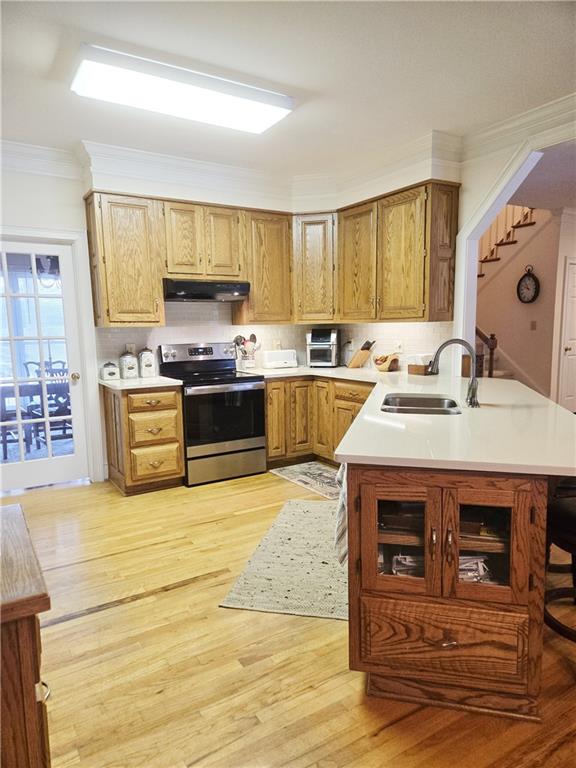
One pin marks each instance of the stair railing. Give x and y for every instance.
(492, 343)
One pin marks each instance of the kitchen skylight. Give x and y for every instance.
(134, 81)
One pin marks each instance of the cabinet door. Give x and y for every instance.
(344, 415)
(322, 421)
(184, 238)
(300, 432)
(400, 539)
(313, 267)
(357, 263)
(401, 255)
(222, 233)
(134, 245)
(442, 224)
(486, 545)
(275, 419)
(269, 249)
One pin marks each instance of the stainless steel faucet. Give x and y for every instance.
(434, 369)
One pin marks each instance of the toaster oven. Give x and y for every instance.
(322, 348)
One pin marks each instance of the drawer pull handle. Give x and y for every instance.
(156, 463)
(153, 402)
(43, 692)
(448, 644)
(433, 542)
(154, 430)
(449, 542)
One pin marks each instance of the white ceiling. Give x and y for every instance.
(366, 76)
(552, 183)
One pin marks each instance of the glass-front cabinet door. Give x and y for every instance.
(401, 539)
(486, 545)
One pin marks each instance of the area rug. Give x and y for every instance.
(313, 475)
(294, 568)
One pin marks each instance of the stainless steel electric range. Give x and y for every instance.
(224, 430)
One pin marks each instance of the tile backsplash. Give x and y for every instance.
(211, 322)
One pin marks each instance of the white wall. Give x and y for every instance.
(42, 201)
(527, 351)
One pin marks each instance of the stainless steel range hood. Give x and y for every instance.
(204, 290)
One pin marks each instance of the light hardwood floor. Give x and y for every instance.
(147, 671)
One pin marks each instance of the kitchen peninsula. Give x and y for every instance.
(447, 529)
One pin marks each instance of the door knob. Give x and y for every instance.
(75, 376)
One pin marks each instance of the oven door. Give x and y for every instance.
(223, 418)
(321, 355)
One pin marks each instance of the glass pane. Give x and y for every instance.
(401, 538)
(2, 284)
(20, 277)
(58, 397)
(5, 360)
(10, 443)
(23, 317)
(7, 402)
(52, 317)
(55, 357)
(3, 318)
(48, 273)
(485, 544)
(31, 400)
(27, 355)
(62, 437)
(35, 446)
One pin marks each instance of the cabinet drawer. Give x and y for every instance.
(356, 393)
(451, 643)
(153, 427)
(156, 461)
(152, 401)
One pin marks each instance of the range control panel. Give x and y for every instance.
(173, 353)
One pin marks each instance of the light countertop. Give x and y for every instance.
(514, 430)
(154, 382)
(370, 375)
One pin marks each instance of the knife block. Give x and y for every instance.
(359, 358)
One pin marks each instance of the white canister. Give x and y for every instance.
(128, 366)
(146, 363)
(109, 371)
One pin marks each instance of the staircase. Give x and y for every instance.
(502, 233)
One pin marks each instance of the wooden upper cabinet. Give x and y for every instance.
(268, 269)
(402, 253)
(224, 256)
(184, 238)
(313, 267)
(357, 263)
(127, 244)
(442, 228)
(416, 249)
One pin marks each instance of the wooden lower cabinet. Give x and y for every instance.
(144, 438)
(24, 595)
(307, 416)
(446, 573)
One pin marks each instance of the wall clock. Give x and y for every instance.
(528, 287)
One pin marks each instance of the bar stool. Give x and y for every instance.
(562, 532)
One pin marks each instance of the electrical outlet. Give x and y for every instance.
(398, 346)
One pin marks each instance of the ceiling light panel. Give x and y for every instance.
(132, 81)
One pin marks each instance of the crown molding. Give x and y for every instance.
(44, 161)
(555, 118)
(111, 167)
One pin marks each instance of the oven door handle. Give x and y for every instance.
(213, 388)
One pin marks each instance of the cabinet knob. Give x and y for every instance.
(448, 644)
(567, 349)
(156, 463)
(154, 430)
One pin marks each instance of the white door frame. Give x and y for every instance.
(78, 242)
(566, 255)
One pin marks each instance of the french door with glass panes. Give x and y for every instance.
(42, 435)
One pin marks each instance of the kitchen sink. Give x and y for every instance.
(419, 403)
